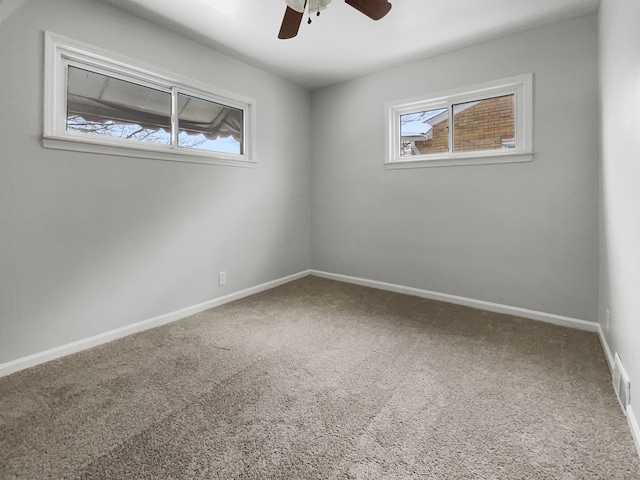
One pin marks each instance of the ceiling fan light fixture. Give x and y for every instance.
(374, 9)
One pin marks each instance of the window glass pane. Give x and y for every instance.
(210, 126)
(484, 125)
(425, 132)
(102, 105)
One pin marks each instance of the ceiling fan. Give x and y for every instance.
(374, 9)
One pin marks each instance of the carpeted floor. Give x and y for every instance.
(323, 380)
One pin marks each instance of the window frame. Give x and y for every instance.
(60, 52)
(521, 86)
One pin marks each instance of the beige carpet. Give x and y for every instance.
(323, 380)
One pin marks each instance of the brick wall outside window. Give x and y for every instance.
(481, 127)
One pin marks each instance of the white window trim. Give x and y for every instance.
(521, 86)
(61, 51)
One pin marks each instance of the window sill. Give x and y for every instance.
(187, 156)
(448, 161)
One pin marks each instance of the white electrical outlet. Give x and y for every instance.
(222, 278)
(607, 323)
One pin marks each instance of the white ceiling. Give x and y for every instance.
(342, 43)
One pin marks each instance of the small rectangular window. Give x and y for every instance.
(99, 102)
(487, 123)
(424, 132)
(483, 124)
(103, 105)
(206, 125)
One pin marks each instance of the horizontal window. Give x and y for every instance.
(483, 124)
(97, 102)
(102, 105)
(488, 123)
(417, 132)
(209, 126)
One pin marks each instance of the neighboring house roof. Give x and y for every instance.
(433, 121)
(416, 130)
(423, 129)
(417, 136)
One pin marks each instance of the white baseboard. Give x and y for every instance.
(74, 347)
(467, 302)
(605, 346)
(632, 420)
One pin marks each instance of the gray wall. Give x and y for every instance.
(90, 243)
(620, 192)
(523, 235)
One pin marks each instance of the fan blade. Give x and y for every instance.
(374, 9)
(290, 23)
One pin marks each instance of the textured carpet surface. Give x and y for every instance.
(323, 380)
